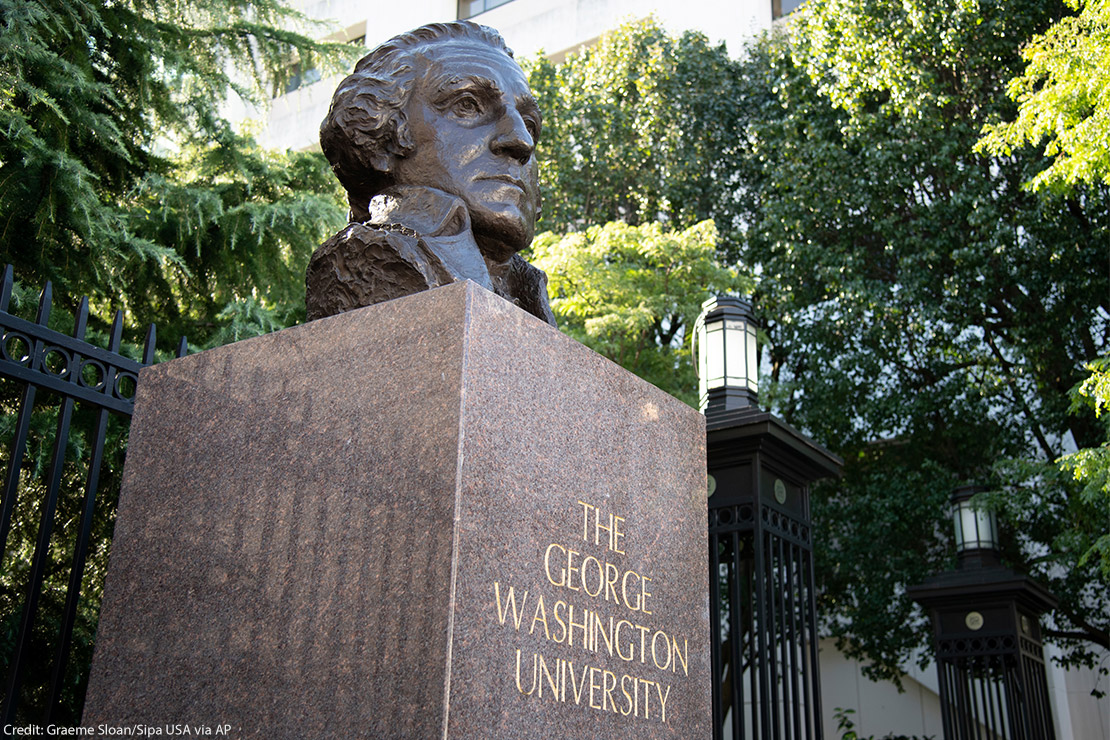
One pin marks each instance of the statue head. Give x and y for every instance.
(446, 107)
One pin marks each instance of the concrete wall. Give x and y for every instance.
(293, 121)
(560, 26)
(1077, 713)
(879, 710)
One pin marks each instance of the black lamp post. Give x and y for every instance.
(764, 647)
(987, 637)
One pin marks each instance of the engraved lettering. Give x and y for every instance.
(612, 529)
(598, 527)
(585, 520)
(559, 621)
(576, 688)
(600, 578)
(550, 679)
(572, 624)
(617, 639)
(510, 603)
(606, 635)
(593, 687)
(547, 566)
(681, 655)
(655, 651)
(593, 577)
(607, 690)
(572, 569)
(662, 700)
(518, 684)
(643, 641)
(612, 574)
(540, 616)
(624, 591)
(617, 534)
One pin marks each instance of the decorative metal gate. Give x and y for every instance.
(1001, 693)
(764, 612)
(65, 384)
(987, 636)
(762, 595)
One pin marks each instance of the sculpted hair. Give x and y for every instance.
(365, 129)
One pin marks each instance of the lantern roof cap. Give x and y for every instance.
(989, 584)
(749, 430)
(726, 305)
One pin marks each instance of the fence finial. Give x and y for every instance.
(148, 347)
(6, 290)
(45, 301)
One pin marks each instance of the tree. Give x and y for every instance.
(122, 181)
(632, 293)
(927, 315)
(641, 142)
(1091, 468)
(1063, 96)
(640, 127)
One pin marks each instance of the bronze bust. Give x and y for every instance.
(433, 137)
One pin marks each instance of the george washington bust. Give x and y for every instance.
(433, 137)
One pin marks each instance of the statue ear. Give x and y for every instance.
(398, 146)
(381, 160)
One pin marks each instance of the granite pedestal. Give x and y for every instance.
(435, 517)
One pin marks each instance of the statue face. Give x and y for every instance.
(474, 125)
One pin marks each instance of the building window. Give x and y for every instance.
(298, 77)
(779, 8)
(471, 8)
(301, 76)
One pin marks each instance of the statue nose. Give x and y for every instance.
(512, 138)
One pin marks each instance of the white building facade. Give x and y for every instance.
(559, 27)
(556, 27)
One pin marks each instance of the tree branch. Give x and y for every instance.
(1097, 636)
(1019, 399)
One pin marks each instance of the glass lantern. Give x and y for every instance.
(727, 355)
(976, 528)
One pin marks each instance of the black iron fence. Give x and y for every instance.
(65, 408)
(764, 621)
(993, 687)
(763, 616)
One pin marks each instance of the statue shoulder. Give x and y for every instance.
(364, 264)
(527, 285)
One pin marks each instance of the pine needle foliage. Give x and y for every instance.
(121, 179)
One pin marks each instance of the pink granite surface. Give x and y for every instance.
(318, 530)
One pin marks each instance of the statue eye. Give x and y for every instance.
(466, 106)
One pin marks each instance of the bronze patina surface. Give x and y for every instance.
(433, 136)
